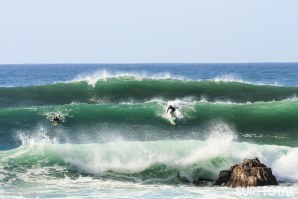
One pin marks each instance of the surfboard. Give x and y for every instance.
(172, 119)
(55, 123)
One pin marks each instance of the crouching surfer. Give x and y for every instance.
(172, 110)
(57, 119)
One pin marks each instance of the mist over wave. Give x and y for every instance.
(94, 77)
(104, 75)
(167, 161)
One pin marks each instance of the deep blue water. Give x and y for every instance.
(284, 74)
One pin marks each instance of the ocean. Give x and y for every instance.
(117, 141)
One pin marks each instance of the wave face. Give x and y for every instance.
(121, 89)
(263, 119)
(116, 131)
(148, 162)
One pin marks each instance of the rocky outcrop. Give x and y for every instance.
(250, 173)
(203, 182)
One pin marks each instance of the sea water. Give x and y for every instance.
(117, 141)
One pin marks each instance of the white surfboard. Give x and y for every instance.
(172, 119)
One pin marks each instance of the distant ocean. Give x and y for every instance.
(117, 141)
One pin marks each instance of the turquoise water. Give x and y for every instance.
(117, 141)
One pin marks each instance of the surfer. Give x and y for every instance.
(57, 119)
(172, 110)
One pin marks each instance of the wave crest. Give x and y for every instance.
(104, 75)
(155, 160)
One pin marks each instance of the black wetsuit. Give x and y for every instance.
(56, 119)
(171, 108)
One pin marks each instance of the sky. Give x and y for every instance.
(148, 31)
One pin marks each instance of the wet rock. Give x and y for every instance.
(250, 173)
(203, 182)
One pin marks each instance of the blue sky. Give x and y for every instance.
(151, 31)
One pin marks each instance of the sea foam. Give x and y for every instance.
(145, 160)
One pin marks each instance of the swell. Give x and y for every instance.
(131, 89)
(149, 162)
(277, 119)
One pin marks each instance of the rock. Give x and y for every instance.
(203, 182)
(250, 173)
(223, 177)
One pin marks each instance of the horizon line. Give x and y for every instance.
(145, 63)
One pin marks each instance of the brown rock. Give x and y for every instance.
(250, 173)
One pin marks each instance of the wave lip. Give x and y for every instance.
(104, 75)
(93, 78)
(228, 78)
(233, 78)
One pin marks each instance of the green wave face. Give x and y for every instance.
(119, 129)
(140, 120)
(131, 89)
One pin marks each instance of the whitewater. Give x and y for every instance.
(117, 141)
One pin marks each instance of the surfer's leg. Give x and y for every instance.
(172, 113)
